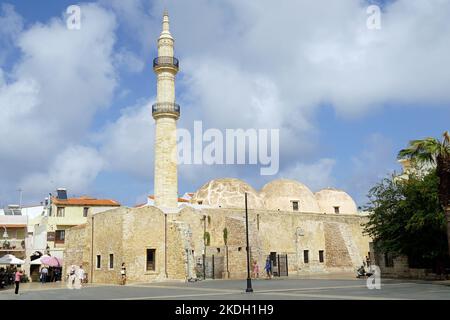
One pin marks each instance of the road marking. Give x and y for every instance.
(179, 296)
(189, 288)
(325, 288)
(329, 296)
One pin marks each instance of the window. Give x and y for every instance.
(111, 261)
(320, 255)
(306, 256)
(85, 211)
(336, 209)
(60, 236)
(218, 250)
(60, 211)
(99, 261)
(257, 221)
(200, 202)
(295, 205)
(151, 259)
(388, 260)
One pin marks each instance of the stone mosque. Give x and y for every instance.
(203, 234)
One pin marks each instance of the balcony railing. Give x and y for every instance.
(166, 107)
(169, 62)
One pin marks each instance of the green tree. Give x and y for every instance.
(407, 218)
(437, 153)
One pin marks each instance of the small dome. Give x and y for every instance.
(289, 195)
(227, 193)
(335, 201)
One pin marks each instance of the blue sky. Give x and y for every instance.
(75, 104)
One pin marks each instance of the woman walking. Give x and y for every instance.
(18, 277)
(255, 269)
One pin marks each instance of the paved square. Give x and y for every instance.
(275, 289)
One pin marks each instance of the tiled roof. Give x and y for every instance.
(179, 199)
(86, 201)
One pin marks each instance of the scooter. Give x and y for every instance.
(361, 273)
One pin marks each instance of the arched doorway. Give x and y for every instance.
(34, 268)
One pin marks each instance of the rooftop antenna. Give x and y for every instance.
(20, 197)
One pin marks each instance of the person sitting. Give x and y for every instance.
(361, 272)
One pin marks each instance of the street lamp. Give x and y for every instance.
(188, 234)
(249, 279)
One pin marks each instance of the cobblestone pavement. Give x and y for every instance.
(330, 287)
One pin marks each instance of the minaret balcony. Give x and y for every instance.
(165, 62)
(160, 108)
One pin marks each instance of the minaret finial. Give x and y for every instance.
(165, 23)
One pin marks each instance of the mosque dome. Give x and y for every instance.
(227, 193)
(333, 201)
(289, 195)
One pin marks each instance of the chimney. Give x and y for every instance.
(61, 193)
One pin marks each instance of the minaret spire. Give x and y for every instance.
(166, 113)
(166, 24)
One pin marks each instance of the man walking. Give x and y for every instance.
(18, 277)
(44, 274)
(71, 277)
(79, 277)
(268, 268)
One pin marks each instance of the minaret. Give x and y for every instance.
(166, 113)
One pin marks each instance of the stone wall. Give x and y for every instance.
(127, 233)
(73, 254)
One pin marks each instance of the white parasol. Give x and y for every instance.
(38, 261)
(10, 259)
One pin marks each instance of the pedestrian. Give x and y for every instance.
(57, 274)
(44, 274)
(71, 277)
(17, 278)
(123, 274)
(268, 268)
(255, 269)
(79, 277)
(367, 261)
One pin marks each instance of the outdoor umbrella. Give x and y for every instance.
(51, 261)
(38, 261)
(10, 259)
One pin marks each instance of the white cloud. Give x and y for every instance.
(374, 162)
(128, 61)
(51, 94)
(315, 176)
(127, 143)
(75, 169)
(244, 64)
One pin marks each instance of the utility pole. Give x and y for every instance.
(249, 279)
(20, 197)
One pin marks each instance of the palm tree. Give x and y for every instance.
(431, 150)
